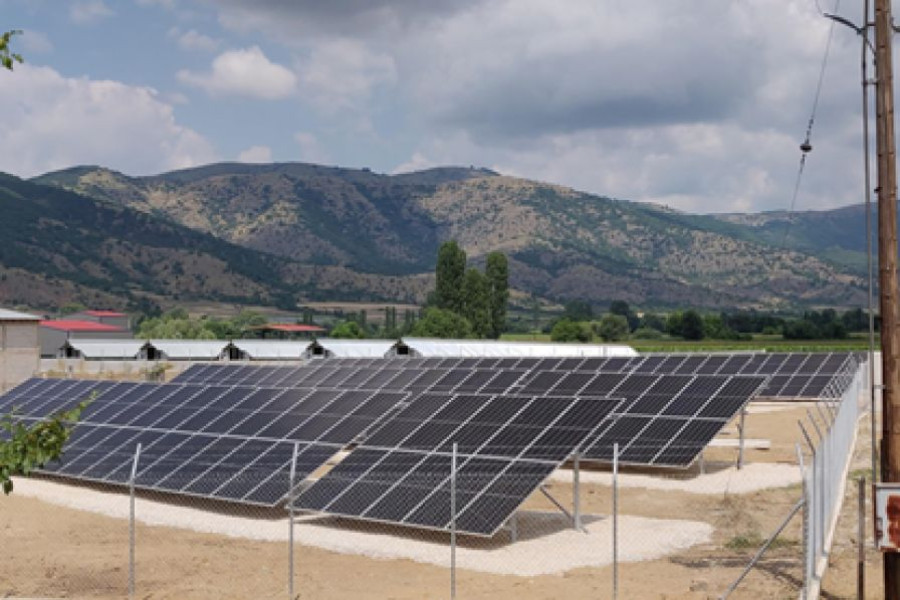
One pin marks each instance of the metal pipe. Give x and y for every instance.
(453, 523)
(290, 499)
(762, 550)
(615, 517)
(861, 542)
(131, 532)
(576, 493)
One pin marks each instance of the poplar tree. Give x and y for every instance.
(449, 274)
(476, 302)
(497, 273)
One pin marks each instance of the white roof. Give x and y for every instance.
(272, 349)
(488, 348)
(190, 349)
(112, 349)
(339, 348)
(12, 315)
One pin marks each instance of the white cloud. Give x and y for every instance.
(53, 122)
(246, 72)
(89, 11)
(193, 40)
(342, 74)
(256, 154)
(639, 100)
(311, 149)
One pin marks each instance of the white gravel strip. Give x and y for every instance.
(547, 544)
(752, 478)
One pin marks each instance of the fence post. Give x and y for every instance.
(615, 521)
(290, 499)
(861, 542)
(576, 492)
(134, 466)
(804, 491)
(453, 523)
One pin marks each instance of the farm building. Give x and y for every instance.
(19, 348)
(328, 348)
(54, 334)
(427, 347)
(102, 349)
(267, 349)
(185, 350)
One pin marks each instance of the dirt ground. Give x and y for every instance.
(52, 551)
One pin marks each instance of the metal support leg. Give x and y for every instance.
(576, 493)
(131, 541)
(514, 528)
(740, 464)
(453, 524)
(615, 523)
(290, 500)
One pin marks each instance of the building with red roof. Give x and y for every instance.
(54, 334)
(107, 317)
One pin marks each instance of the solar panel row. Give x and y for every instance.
(793, 375)
(224, 442)
(508, 445)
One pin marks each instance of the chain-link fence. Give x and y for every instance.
(829, 433)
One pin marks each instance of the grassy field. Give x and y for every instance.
(771, 343)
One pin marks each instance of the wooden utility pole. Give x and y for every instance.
(887, 268)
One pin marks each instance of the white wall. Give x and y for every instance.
(19, 353)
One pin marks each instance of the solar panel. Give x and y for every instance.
(508, 445)
(667, 420)
(230, 443)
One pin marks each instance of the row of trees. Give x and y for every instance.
(466, 302)
(578, 323)
(176, 324)
(479, 297)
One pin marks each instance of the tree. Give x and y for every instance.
(7, 57)
(653, 321)
(613, 328)
(476, 302)
(441, 323)
(620, 307)
(30, 447)
(497, 271)
(350, 330)
(567, 330)
(692, 325)
(449, 274)
(578, 310)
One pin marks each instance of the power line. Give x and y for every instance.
(806, 146)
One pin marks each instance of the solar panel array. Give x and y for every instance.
(508, 446)
(792, 375)
(666, 420)
(228, 431)
(229, 443)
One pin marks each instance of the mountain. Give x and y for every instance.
(357, 235)
(837, 235)
(59, 246)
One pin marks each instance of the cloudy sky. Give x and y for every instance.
(696, 104)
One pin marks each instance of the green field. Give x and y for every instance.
(771, 343)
